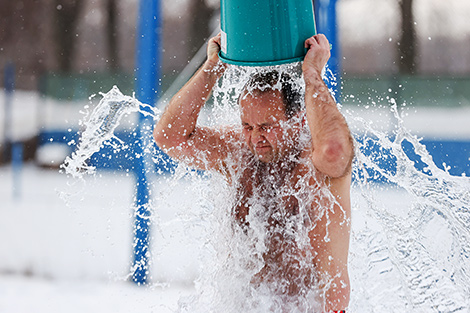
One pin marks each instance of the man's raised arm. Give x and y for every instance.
(332, 155)
(176, 132)
(332, 142)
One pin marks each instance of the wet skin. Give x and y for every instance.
(274, 164)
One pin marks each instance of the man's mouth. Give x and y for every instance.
(262, 148)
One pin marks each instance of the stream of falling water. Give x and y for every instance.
(410, 256)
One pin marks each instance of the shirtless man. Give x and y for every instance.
(272, 156)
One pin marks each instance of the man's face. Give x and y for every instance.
(265, 125)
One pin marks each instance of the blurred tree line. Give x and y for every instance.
(83, 36)
(407, 42)
(66, 36)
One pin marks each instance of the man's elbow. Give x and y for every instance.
(336, 158)
(165, 139)
(160, 137)
(172, 143)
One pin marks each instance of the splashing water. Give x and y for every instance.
(420, 253)
(99, 129)
(405, 256)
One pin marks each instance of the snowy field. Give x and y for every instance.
(36, 295)
(66, 246)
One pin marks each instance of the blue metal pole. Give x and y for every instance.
(326, 22)
(17, 166)
(9, 85)
(147, 80)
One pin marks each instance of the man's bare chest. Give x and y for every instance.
(275, 196)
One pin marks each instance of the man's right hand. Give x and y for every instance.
(213, 48)
(318, 54)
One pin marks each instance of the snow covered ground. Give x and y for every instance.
(66, 245)
(20, 294)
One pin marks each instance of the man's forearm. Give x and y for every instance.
(179, 120)
(332, 142)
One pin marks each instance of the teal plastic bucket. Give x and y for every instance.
(265, 32)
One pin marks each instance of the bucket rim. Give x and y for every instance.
(260, 63)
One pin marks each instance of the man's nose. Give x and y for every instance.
(257, 135)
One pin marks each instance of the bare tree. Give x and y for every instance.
(112, 35)
(407, 42)
(66, 19)
(7, 9)
(201, 14)
(22, 33)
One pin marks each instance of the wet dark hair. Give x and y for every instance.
(273, 80)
